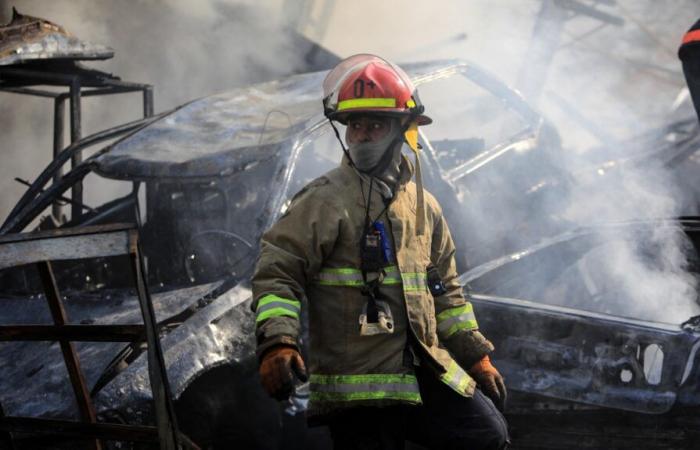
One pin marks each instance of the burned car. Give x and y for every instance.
(209, 177)
(616, 353)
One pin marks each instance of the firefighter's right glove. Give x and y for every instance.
(279, 369)
(490, 381)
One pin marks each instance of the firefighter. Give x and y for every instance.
(689, 53)
(395, 352)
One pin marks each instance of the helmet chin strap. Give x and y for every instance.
(345, 150)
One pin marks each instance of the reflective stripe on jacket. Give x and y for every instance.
(312, 253)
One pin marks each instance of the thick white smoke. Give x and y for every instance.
(601, 83)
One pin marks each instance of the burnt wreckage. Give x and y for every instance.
(210, 176)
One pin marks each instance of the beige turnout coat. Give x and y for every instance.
(311, 257)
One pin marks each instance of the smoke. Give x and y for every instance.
(184, 49)
(603, 87)
(601, 81)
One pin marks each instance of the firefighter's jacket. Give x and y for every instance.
(311, 257)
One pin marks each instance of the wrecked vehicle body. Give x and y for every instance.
(582, 349)
(210, 176)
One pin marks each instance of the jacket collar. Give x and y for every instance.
(404, 176)
(352, 176)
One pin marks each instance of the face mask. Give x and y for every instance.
(366, 155)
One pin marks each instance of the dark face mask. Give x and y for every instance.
(367, 156)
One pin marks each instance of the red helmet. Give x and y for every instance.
(369, 84)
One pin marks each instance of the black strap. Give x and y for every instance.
(345, 150)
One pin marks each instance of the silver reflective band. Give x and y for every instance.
(468, 321)
(346, 276)
(416, 281)
(274, 306)
(345, 388)
(456, 378)
(452, 320)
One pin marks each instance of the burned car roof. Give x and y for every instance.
(209, 136)
(26, 38)
(215, 135)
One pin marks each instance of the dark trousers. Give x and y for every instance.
(445, 421)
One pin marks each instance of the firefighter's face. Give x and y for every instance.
(366, 129)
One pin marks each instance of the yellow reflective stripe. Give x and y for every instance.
(268, 299)
(274, 306)
(349, 283)
(463, 325)
(275, 312)
(456, 311)
(347, 276)
(455, 319)
(456, 378)
(414, 281)
(374, 378)
(408, 397)
(364, 387)
(367, 103)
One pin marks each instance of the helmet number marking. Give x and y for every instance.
(359, 88)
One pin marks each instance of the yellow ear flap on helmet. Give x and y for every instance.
(411, 136)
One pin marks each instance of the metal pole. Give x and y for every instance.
(75, 132)
(166, 420)
(70, 356)
(148, 101)
(58, 127)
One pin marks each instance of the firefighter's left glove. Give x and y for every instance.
(490, 381)
(280, 367)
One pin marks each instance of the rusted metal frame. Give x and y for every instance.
(55, 76)
(166, 421)
(70, 356)
(63, 232)
(75, 132)
(44, 200)
(84, 333)
(78, 246)
(55, 165)
(58, 127)
(39, 76)
(37, 247)
(105, 431)
(30, 91)
(59, 121)
(146, 89)
(59, 199)
(76, 81)
(85, 93)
